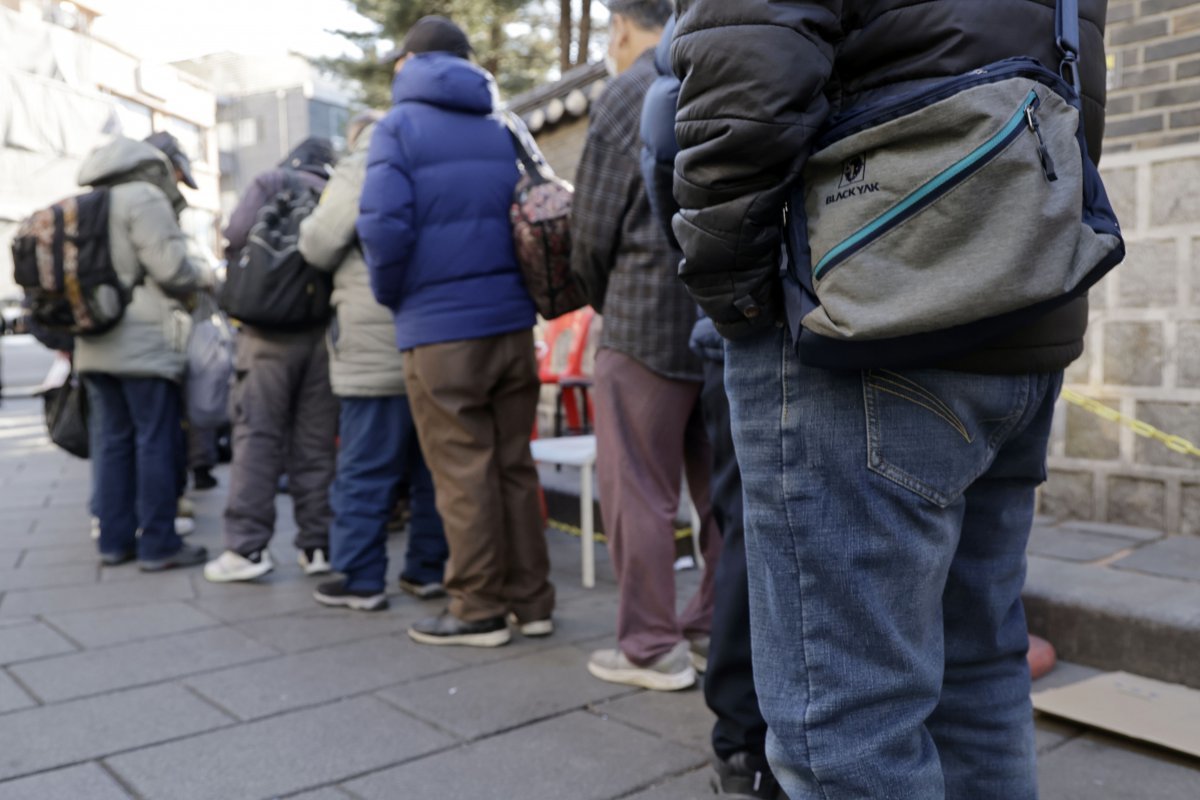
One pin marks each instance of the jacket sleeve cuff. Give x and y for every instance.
(750, 313)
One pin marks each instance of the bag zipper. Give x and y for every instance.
(1023, 118)
(871, 116)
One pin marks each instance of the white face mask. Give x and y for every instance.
(610, 64)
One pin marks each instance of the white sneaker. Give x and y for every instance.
(314, 561)
(95, 527)
(230, 567)
(534, 629)
(185, 526)
(668, 673)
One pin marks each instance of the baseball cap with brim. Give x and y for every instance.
(169, 146)
(432, 34)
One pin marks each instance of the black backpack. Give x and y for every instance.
(271, 286)
(61, 259)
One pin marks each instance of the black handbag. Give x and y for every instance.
(66, 412)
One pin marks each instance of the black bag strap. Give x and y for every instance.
(1066, 31)
(530, 164)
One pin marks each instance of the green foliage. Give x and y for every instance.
(513, 39)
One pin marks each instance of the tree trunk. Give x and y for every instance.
(566, 26)
(496, 39)
(585, 34)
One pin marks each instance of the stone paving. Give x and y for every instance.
(115, 684)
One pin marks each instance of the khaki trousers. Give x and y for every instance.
(474, 402)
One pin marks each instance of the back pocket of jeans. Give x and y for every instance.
(936, 432)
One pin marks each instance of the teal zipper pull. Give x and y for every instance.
(1043, 152)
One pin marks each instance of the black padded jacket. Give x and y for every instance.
(759, 80)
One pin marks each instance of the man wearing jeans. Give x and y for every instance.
(887, 509)
(379, 446)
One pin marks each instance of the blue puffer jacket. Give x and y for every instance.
(433, 218)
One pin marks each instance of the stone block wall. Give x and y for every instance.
(1154, 74)
(1142, 358)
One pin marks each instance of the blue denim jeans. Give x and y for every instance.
(135, 437)
(379, 450)
(887, 516)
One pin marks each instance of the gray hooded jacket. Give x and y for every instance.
(363, 359)
(150, 253)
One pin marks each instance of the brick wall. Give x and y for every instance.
(1154, 75)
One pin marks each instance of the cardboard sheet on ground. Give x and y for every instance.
(1164, 714)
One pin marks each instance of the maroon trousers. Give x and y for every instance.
(650, 432)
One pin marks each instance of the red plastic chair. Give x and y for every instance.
(574, 400)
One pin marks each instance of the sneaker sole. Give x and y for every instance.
(156, 566)
(646, 678)
(376, 603)
(699, 663)
(318, 570)
(238, 577)
(422, 593)
(538, 629)
(493, 639)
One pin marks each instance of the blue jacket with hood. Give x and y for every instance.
(433, 219)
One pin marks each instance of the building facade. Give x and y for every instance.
(63, 92)
(265, 106)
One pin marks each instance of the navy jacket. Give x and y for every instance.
(433, 218)
(659, 146)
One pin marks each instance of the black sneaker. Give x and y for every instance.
(337, 595)
(117, 559)
(448, 629)
(203, 480)
(422, 591)
(746, 777)
(189, 555)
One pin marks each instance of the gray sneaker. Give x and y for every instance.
(698, 650)
(189, 555)
(668, 673)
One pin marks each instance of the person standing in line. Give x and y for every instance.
(649, 421)
(283, 411)
(435, 231)
(740, 733)
(379, 447)
(134, 371)
(889, 507)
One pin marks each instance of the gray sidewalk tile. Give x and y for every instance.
(319, 794)
(88, 781)
(33, 577)
(286, 754)
(695, 785)
(494, 697)
(578, 756)
(146, 589)
(29, 640)
(1075, 545)
(243, 602)
(12, 696)
(123, 666)
(1051, 732)
(1177, 557)
(318, 676)
(52, 736)
(120, 625)
(40, 555)
(9, 556)
(1115, 770)
(679, 716)
(1109, 529)
(317, 627)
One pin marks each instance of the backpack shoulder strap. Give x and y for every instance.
(1066, 34)
(531, 164)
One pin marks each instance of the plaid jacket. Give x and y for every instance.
(618, 246)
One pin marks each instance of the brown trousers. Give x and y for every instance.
(650, 431)
(474, 402)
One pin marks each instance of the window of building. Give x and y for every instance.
(247, 132)
(226, 137)
(137, 121)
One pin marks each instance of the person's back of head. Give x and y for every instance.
(634, 27)
(315, 154)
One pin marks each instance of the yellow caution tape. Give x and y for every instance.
(1176, 444)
